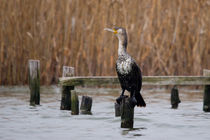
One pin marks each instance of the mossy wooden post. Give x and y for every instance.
(117, 110)
(206, 96)
(127, 113)
(86, 105)
(175, 98)
(34, 81)
(66, 90)
(74, 103)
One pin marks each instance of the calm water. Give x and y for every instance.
(19, 121)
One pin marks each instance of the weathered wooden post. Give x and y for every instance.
(34, 81)
(74, 103)
(86, 105)
(68, 71)
(206, 96)
(66, 90)
(175, 98)
(117, 110)
(127, 113)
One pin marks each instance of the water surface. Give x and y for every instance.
(157, 121)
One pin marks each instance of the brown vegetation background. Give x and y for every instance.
(166, 37)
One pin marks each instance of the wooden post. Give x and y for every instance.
(34, 81)
(74, 103)
(117, 110)
(175, 98)
(206, 96)
(66, 97)
(66, 90)
(68, 71)
(86, 105)
(127, 113)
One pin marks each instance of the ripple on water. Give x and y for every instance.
(20, 121)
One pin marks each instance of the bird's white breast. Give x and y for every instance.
(124, 67)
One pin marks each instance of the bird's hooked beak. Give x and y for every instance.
(111, 30)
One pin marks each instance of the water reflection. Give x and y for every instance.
(133, 131)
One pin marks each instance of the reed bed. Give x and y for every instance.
(165, 37)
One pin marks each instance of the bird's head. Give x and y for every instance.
(120, 33)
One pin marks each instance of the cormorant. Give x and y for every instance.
(128, 71)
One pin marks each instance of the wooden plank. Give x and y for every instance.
(147, 80)
(176, 80)
(89, 80)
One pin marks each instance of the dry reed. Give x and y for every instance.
(165, 37)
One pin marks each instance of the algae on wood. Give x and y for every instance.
(34, 81)
(74, 103)
(147, 80)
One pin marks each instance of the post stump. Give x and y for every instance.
(86, 105)
(127, 113)
(117, 110)
(74, 103)
(34, 81)
(175, 98)
(66, 97)
(66, 90)
(206, 96)
(206, 99)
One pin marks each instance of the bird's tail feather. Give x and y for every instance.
(140, 100)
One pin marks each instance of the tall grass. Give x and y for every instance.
(165, 37)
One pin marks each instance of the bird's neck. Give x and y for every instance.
(122, 47)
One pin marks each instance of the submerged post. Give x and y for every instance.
(175, 98)
(206, 96)
(86, 105)
(74, 103)
(127, 113)
(66, 90)
(34, 81)
(117, 110)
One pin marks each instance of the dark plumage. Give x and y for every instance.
(128, 71)
(131, 82)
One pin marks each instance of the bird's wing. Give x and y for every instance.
(136, 76)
